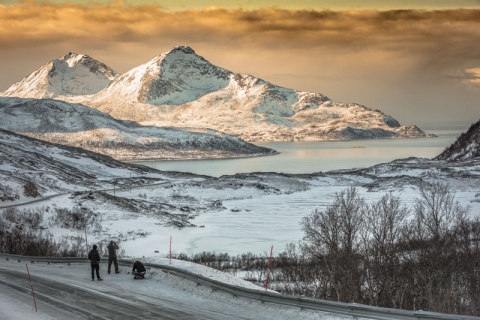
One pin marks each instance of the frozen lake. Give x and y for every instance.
(308, 157)
(254, 224)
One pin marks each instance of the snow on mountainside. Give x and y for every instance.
(31, 168)
(72, 74)
(466, 147)
(80, 126)
(173, 78)
(181, 89)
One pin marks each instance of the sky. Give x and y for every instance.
(418, 61)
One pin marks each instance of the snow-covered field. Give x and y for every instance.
(243, 213)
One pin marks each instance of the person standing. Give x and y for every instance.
(112, 256)
(94, 257)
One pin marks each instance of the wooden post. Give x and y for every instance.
(170, 249)
(51, 243)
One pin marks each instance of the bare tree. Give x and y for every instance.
(332, 239)
(385, 221)
(433, 253)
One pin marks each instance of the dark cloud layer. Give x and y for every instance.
(451, 33)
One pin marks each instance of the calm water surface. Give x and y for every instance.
(309, 157)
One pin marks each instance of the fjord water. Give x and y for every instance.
(309, 157)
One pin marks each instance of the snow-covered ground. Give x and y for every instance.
(241, 214)
(146, 208)
(160, 287)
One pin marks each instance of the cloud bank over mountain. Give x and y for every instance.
(401, 61)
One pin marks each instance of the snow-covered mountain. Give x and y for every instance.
(181, 89)
(72, 74)
(466, 147)
(80, 126)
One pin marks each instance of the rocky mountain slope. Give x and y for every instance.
(80, 126)
(466, 147)
(180, 88)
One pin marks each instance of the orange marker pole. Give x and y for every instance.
(31, 286)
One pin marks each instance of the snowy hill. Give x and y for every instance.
(466, 147)
(31, 168)
(80, 126)
(72, 74)
(180, 88)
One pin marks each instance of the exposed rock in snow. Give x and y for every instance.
(80, 126)
(181, 89)
(466, 147)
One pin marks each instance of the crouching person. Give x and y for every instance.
(138, 270)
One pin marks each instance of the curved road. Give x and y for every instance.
(99, 300)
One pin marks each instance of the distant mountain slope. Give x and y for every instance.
(181, 89)
(80, 126)
(72, 74)
(466, 147)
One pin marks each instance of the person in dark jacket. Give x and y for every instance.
(138, 270)
(94, 257)
(112, 256)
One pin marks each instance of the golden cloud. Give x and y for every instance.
(120, 22)
(441, 39)
(393, 60)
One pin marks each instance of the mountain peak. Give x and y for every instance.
(175, 77)
(177, 53)
(72, 58)
(182, 49)
(72, 74)
(73, 55)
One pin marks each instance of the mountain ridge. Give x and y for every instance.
(80, 126)
(182, 89)
(466, 146)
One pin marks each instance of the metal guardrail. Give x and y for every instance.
(349, 309)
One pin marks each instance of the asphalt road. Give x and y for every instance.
(68, 300)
